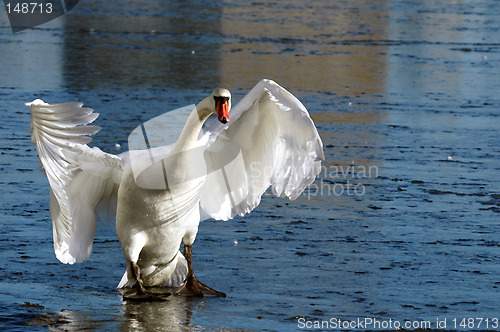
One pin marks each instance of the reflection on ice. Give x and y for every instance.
(175, 314)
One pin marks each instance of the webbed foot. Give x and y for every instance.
(140, 293)
(140, 296)
(192, 286)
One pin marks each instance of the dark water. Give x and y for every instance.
(402, 224)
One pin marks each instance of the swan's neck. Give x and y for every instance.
(192, 128)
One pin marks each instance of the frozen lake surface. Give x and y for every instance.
(402, 223)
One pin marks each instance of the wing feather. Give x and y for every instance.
(270, 141)
(80, 178)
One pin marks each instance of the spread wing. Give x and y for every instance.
(83, 180)
(270, 141)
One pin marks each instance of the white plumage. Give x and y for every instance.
(222, 168)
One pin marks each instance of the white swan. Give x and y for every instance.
(267, 139)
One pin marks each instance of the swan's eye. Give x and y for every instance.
(221, 99)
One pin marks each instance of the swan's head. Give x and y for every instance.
(222, 98)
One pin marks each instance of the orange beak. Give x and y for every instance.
(222, 108)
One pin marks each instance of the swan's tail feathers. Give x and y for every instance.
(80, 178)
(124, 281)
(170, 275)
(180, 272)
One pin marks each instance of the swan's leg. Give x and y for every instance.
(136, 273)
(141, 293)
(132, 252)
(192, 285)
